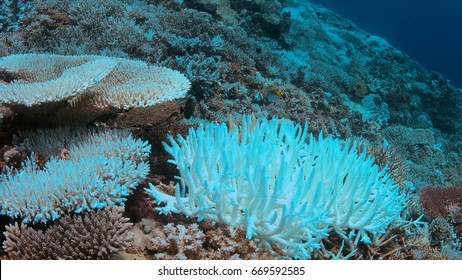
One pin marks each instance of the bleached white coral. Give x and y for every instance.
(252, 177)
(61, 87)
(47, 80)
(100, 169)
(135, 84)
(287, 188)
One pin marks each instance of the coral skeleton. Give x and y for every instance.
(286, 187)
(100, 168)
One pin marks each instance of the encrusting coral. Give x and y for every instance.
(62, 88)
(86, 170)
(93, 235)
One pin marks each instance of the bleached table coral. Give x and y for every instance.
(58, 88)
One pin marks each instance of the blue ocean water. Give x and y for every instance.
(430, 31)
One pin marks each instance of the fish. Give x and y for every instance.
(188, 108)
(274, 95)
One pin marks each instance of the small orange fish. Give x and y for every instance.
(274, 95)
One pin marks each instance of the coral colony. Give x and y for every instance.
(283, 186)
(203, 129)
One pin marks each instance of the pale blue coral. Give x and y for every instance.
(286, 187)
(102, 168)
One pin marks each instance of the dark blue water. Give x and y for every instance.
(429, 31)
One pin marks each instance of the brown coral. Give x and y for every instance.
(441, 230)
(443, 202)
(385, 157)
(93, 235)
(440, 201)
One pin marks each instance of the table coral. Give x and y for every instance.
(64, 88)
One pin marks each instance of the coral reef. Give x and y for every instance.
(421, 152)
(93, 235)
(105, 63)
(443, 206)
(11, 12)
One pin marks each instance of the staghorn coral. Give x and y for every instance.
(85, 85)
(96, 169)
(422, 153)
(193, 243)
(410, 242)
(385, 156)
(93, 235)
(91, 27)
(286, 193)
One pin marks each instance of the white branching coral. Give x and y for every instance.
(61, 87)
(100, 168)
(285, 187)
